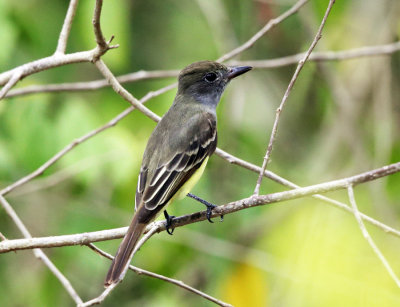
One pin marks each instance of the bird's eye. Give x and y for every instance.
(210, 77)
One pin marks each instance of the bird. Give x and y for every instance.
(176, 153)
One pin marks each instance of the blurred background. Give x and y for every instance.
(342, 118)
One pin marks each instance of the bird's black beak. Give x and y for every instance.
(237, 71)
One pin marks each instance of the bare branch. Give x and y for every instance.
(11, 77)
(369, 238)
(272, 23)
(368, 51)
(286, 95)
(123, 92)
(66, 28)
(102, 46)
(178, 283)
(107, 291)
(52, 61)
(254, 168)
(253, 201)
(39, 253)
(100, 40)
(100, 298)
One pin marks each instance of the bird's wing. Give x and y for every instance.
(157, 187)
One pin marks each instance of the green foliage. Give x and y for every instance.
(341, 119)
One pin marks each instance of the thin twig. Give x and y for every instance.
(272, 23)
(368, 237)
(356, 53)
(108, 290)
(119, 89)
(178, 283)
(66, 173)
(66, 28)
(38, 252)
(55, 60)
(286, 95)
(100, 40)
(91, 85)
(100, 298)
(253, 201)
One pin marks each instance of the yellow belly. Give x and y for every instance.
(188, 185)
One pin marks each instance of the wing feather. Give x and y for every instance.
(158, 187)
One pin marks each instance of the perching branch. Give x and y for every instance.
(253, 201)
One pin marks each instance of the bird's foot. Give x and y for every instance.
(209, 206)
(168, 224)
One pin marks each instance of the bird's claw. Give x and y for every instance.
(210, 207)
(168, 223)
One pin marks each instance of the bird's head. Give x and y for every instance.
(205, 81)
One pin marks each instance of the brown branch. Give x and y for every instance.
(253, 201)
(38, 252)
(286, 95)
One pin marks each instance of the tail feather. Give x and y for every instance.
(121, 261)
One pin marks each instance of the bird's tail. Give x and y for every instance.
(122, 259)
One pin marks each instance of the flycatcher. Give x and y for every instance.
(177, 152)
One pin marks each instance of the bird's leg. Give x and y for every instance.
(209, 206)
(168, 224)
